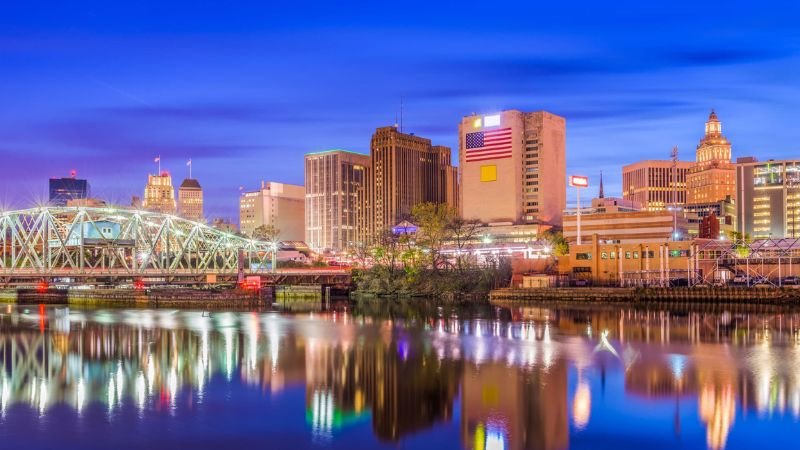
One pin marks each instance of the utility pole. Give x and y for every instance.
(578, 182)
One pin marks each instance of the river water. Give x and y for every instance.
(404, 375)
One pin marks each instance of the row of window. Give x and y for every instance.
(649, 254)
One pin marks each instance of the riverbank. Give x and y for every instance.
(601, 295)
(145, 298)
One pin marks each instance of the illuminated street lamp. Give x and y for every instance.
(578, 182)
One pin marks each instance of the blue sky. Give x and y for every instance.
(245, 88)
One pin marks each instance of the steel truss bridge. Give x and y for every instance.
(76, 244)
(764, 261)
(771, 262)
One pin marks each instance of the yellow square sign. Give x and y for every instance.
(488, 173)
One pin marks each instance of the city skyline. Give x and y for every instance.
(87, 89)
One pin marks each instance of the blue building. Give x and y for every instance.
(64, 189)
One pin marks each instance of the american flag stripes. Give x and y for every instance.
(486, 145)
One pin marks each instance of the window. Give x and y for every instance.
(635, 255)
(583, 256)
(604, 255)
(627, 255)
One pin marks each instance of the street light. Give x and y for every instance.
(578, 182)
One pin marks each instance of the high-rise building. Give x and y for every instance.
(768, 198)
(190, 200)
(159, 195)
(278, 204)
(712, 177)
(405, 170)
(513, 167)
(654, 184)
(335, 189)
(64, 189)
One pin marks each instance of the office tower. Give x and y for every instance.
(159, 195)
(654, 184)
(513, 167)
(278, 204)
(768, 198)
(405, 170)
(64, 189)
(190, 200)
(335, 188)
(712, 177)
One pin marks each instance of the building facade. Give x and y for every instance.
(405, 170)
(278, 204)
(768, 198)
(626, 226)
(646, 263)
(335, 182)
(512, 167)
(712, 177)
(223, 224)
(655, 184)
(190, 200)
(63, 190)
(724, 213)
(159, 195)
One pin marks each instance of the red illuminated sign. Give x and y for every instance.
(578, 181)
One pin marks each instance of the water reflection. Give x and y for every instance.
(497, 378)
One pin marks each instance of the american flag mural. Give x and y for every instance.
(486, 145)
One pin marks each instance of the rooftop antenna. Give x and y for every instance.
(189, 163)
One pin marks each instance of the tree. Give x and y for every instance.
(557, 242)
(267, 233)
(462, 234)
(432, 220)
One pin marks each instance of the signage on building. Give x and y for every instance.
(578, 181)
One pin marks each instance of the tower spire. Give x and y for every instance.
(601, 194)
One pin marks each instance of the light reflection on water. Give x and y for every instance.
(478, 378)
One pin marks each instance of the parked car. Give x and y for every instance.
(581, 283)
(790, 281)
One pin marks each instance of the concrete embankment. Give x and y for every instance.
(146, 298)
(756, 295)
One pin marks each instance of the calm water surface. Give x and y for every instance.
(402, 376)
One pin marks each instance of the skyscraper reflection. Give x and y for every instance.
(537, 381)
(515, 408)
